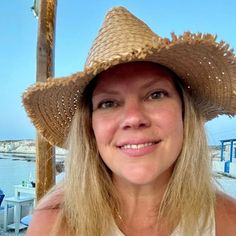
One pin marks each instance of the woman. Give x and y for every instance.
(133, 123)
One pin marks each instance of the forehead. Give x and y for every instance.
(134, 73)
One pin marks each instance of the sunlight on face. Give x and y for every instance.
(137, 122)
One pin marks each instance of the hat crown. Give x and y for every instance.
(206, 68)
(120, 34)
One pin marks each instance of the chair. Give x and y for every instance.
(1, 197)
(26, 220)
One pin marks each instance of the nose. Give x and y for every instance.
(134, 116)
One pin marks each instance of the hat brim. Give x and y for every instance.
(206, 68)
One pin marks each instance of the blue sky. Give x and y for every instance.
(77, 24)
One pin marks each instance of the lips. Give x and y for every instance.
(138, 149)
(137, 146)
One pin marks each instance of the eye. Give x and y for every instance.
(158, 94)
(107, 104)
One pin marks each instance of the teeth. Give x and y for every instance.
(136, 146)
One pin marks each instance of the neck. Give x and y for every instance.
(140, 205)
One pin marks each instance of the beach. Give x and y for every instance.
(16, 167)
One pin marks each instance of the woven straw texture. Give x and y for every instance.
(206, 67)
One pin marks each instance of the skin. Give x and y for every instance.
(138, 126)
(139, 175)
(43, 220)
(225, 215)
(137, 104)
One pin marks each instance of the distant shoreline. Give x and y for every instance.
(25, 156)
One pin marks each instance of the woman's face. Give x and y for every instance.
(137, 122)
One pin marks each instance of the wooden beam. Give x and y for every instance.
(45, 153)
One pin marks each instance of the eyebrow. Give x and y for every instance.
(156, 81)
(153, 82)
(106, 91)
(149, 83)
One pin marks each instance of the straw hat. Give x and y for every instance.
(207, 70)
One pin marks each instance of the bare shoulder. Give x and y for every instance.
(42, 222)
(225, 215)
(45, 215)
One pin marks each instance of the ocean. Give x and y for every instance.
(13, 171)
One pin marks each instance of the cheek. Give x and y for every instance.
(97, 128)
(175, 123)
(102, 128)
(172, 122)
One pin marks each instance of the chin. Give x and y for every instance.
(146, 177)
(141, 178)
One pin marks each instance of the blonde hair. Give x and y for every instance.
(90, 198)
(190, 194)
(91, 201)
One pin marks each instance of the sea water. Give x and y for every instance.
(13, 172)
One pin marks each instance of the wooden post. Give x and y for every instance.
(45, 153)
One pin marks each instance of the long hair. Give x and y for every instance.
(190, 194)
(90, 198)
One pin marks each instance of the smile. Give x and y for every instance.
(137, 146)
(139, 149)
